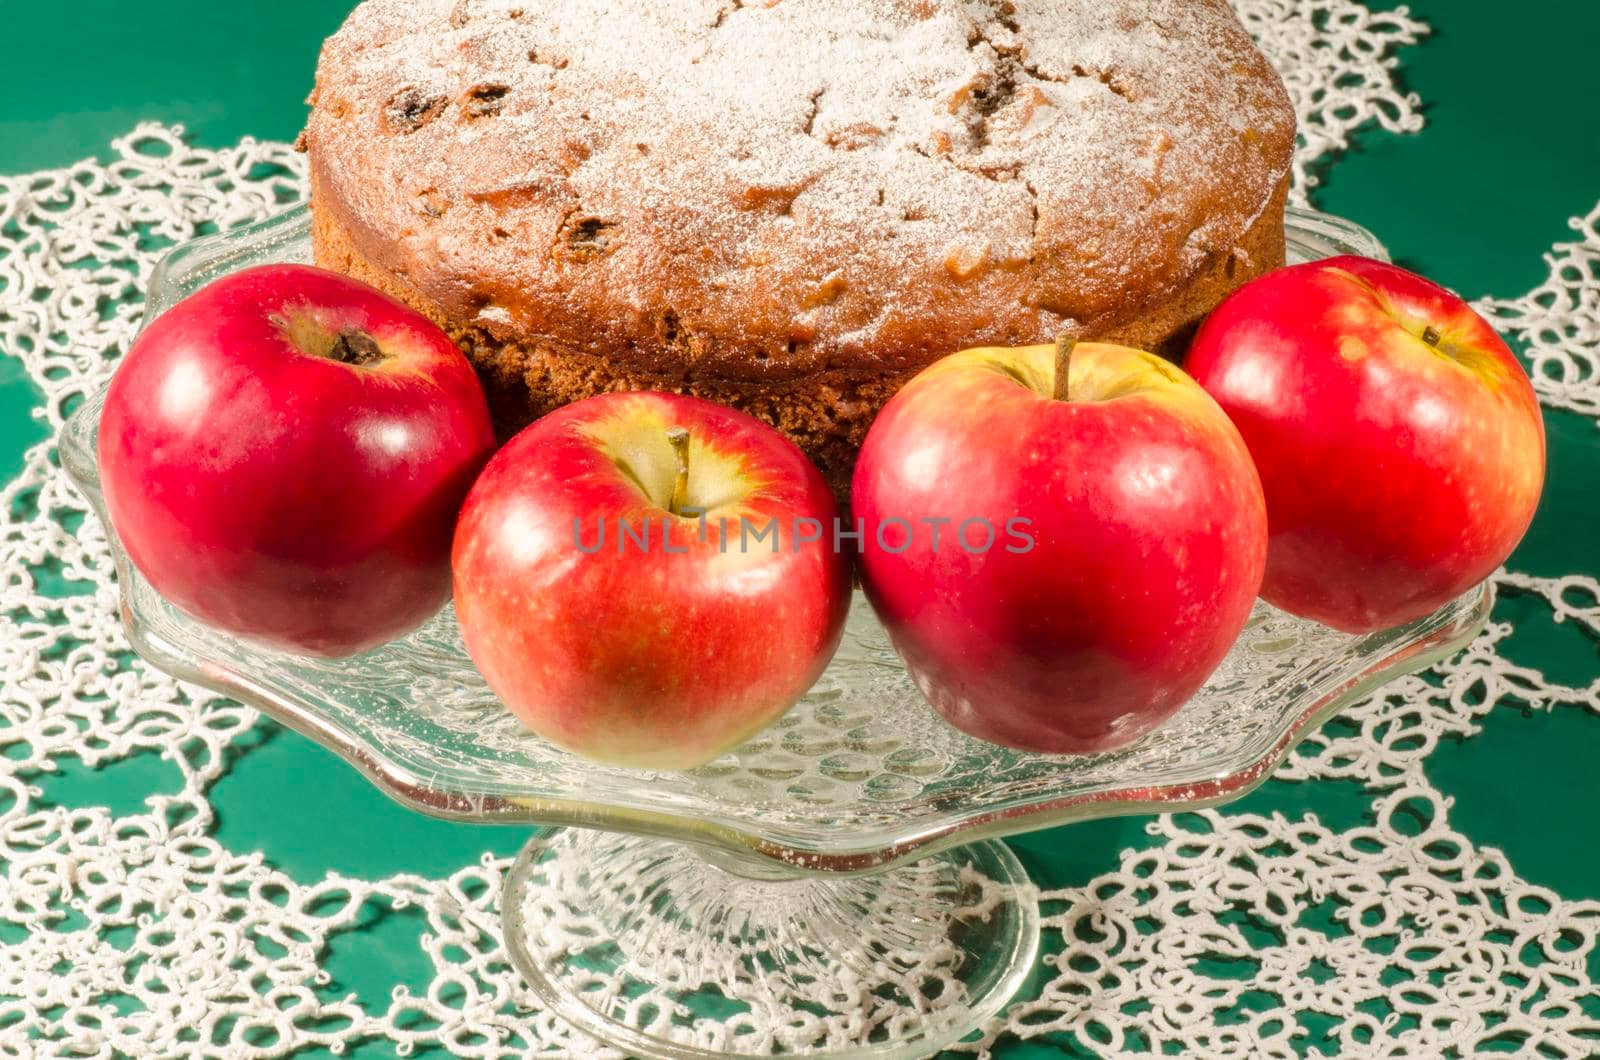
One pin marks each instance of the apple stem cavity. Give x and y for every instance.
(1064, 347)
(1430, 335)
(308, 335)
(679, 438)
(354, 346)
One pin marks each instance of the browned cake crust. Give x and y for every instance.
(792, 205)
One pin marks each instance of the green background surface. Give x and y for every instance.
(1511, 151)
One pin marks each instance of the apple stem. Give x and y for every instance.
(679, 437)
(1064, 345)
(354, 346)
(1430, 335)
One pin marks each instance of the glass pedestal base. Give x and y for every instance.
(651, 948)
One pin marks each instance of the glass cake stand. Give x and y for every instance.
(833, 887)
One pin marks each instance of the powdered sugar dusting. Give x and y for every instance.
(802, 180)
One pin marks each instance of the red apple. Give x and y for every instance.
(617, 622)
(283, 454)
(1126, 536)
(1398, 440)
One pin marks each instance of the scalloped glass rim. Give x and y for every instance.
(859, 776)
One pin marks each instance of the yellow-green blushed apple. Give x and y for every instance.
(1399, 441)
(1145, 528)
(648, 579)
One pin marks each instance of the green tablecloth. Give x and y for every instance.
(1511, 151)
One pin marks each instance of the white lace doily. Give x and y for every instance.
(140, 934)
(1558, 322)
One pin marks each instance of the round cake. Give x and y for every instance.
(791, 206)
